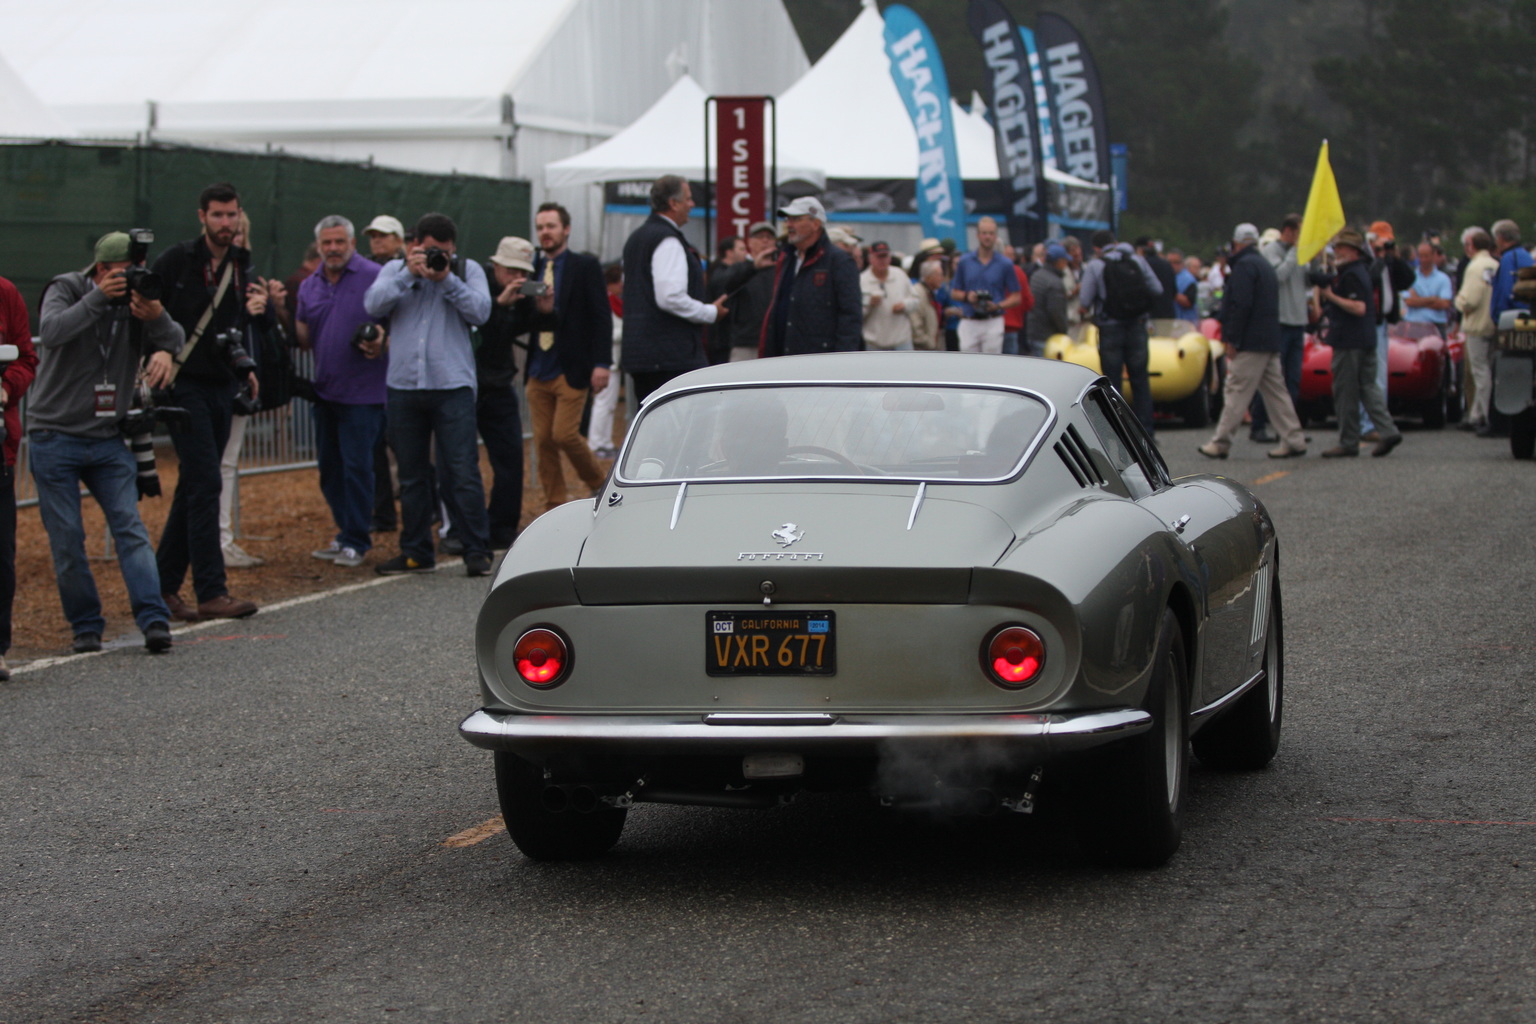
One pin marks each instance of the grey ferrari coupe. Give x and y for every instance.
(952, 581)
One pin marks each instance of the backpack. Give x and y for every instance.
(274, 366)
(1126, 295)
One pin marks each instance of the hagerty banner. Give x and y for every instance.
(1077, 100)
(1020, 166)
(919, 75)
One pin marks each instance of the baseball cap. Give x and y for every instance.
(840, 236)
(1383, 231)
(112, 247)
(384, 224)
(514, 253)
(928, 247)
(1245, 232)
(1055, 251)
(762, 225)
(880, 249)
(805, 206)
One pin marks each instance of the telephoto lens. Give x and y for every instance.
(143, 448)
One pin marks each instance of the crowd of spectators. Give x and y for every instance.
(417, 350)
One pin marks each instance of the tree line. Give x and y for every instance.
(1223, 104)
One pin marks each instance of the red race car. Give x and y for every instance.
(1423, 375)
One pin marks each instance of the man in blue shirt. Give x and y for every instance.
(432, 299)
(1512, 257)
(985, 270)
(1430, 297)
(1186, 287)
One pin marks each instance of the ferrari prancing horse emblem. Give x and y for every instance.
(788, 534)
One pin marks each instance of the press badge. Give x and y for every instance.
(106, 400)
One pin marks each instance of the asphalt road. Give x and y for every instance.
(253, 828)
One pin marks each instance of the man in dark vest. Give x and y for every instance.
(816, 305)
(664, 311)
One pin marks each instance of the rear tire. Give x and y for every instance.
(1247, 736)
(1522, 434)
(550, 835)
(1133, 811)
(1195, 410)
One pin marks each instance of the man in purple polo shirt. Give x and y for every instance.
(349, 384)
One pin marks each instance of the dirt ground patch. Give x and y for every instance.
(282, 519)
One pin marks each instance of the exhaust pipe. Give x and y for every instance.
(583, 800)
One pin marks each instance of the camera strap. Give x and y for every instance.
(202, 321)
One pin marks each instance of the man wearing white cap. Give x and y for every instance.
(816, 303)
(386, 238)
(1250, 328)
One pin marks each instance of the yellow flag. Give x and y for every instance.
(1324, 217)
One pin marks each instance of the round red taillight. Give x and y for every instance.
(541, 657)
(1014, 656)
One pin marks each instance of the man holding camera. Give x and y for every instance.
(210, 292)
(349, 384)
(95, 332)
(432, 298)
(984, 287)
(564, 363)
(1350, 302)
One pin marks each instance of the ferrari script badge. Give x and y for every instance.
(788, 534)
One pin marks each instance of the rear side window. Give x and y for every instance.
(1123, 444)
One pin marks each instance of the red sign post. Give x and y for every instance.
(741, 192)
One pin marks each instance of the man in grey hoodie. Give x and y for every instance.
(95, 333)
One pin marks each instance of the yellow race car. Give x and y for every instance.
(1183, 365)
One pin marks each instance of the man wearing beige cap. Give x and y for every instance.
(386, 239)
(515, 311)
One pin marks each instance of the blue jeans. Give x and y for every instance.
(60, 464)
(1010, 343)
(344, 441)
(1123, 350)
(415, 418)
(1293, 342)
(191, 534)
(1383, 346)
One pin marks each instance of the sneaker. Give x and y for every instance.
(157, 638)
(450, 546)
(348, 558)
(87, 643)
(179, 609)
(402, 564)
(477, 565)
(226, 607)
(327, 553)
(236, 557)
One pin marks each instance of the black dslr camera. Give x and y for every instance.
(984, 306)
(364, 334)
(232, 344)
(439, 260)
(148, 406)
(140, 279)
(1318, 278)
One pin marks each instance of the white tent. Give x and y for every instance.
(492, 87)
(667, 139)
(22, 114)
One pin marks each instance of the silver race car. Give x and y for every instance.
(945, 580)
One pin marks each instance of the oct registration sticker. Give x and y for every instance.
(770, 643)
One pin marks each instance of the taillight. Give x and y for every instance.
(1014, 656)
(541, 657)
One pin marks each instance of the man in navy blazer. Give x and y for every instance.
(564, 363)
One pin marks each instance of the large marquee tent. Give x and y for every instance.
(485, 87)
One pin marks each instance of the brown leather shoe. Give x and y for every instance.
(226, 607)
(179, 609)
(1340, 452)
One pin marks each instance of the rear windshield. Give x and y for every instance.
(791, 432)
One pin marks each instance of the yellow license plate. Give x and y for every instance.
(770, 643)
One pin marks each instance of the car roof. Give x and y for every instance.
(1059, 381)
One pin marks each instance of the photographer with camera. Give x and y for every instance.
(983, 288)
(1349, 300)
(97, 326)
(18, 367)
(211, 292)
(432, 298)
(350, 365)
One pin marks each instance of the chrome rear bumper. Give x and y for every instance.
(1042, 735)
